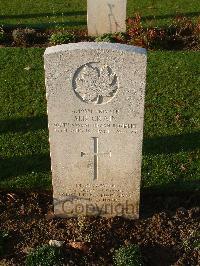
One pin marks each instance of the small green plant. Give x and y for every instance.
(3, 239)
(192, 242)
(108, 37)
(2, 35)
(45, 255)
(62, 37)
(121, 37)
(128, 256)
(24, 36)
(84, 233)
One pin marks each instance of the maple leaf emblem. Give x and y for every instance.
(95, 85)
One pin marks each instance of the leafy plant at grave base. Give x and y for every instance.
(108, 37)
(197, 30)
(24, 36)
(139, 36)
(59, 28)
(84, 234)
(3, 239)
(136, 31)
(62, 37)
(2, 35)
(128, 256)
(183, 32)
(192, 243)
(121, 37)
(45, 255)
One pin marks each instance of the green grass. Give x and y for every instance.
(72, 14)
(172, 121)
(44, 14)
(24, 137)
(160, 12)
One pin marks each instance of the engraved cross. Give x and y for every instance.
(96, 156)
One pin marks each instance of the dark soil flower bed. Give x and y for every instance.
(182, 34)
(34, 37)
(167, 232)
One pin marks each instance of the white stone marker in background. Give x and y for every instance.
(95, 95)
(106, 16)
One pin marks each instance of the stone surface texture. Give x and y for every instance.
(95, 101)
(106, 16)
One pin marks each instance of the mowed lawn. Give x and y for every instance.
(171, 157)
(72, 13)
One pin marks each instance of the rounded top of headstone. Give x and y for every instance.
(96, 46)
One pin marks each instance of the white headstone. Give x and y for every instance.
(95, 95)
(106, 16)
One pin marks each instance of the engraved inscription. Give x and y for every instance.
(96, 156)
(95, 128)
(105, 192)
(96, 122)
(93, 83)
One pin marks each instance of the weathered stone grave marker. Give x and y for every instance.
(95, 98)
(106, 16)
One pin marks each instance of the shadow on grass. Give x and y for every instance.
(84, 13)
(74, 23)
(45, 25)
(189, 15)
(12, 167)
(64, 15)
(157, 145)
(17, 166)
(43, 15)
(23, 124)
(172, 144)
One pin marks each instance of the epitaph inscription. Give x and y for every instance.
(95, 115)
